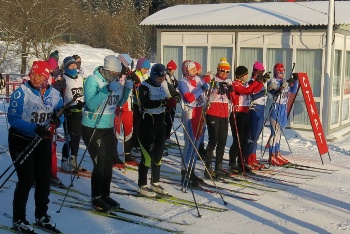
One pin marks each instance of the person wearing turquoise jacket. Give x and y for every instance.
(103, 92)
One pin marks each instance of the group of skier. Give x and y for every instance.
(143, 101)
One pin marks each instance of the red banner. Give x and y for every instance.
(313, 113)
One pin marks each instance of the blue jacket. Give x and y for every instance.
(95, 95)
(28, 108)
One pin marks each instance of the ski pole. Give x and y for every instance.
(185, 130)
(184, 164)
(32, 145)
(200, 125)
(81, 160)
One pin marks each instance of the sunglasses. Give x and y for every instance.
(224, 71)
(280, 72)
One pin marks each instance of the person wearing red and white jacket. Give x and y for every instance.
(239, 118)
(193, 91)
(124, 114)
(217, 118)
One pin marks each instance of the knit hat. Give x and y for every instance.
(223, 64)
(241, 71)
(258, 66)
(143, 63)
(76, 57)
(198, 66)
(171, 65)
(157, 70)
(41, 68)
(68, 61)
(112, 63)
(53, 63)
(31, 61)
(188, 68)
(54, 55)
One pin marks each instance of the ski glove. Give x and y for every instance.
(260, 78)
(171, 103)
(42, 131)
(205, 87)
(80, 105)
(230, 88)
(56, 122)
(114, 86)
(128, 84)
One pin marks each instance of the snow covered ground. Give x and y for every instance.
(305, 202)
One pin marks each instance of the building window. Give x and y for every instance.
(337, 73)
(335, 112)
(346, 88)
(216, 54)
(284, 56)
(199, 55)
(248, 56)
(173, 53)
(310, 61)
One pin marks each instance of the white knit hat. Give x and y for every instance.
(112, 63)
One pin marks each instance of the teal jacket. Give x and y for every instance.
(95, 94)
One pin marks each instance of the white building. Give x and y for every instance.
(270, 32)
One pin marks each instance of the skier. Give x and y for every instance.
(201, 148)
(192, 89)
(124, 115)
(156, 95)
(139, 75)
(102, 92)
(280, 89)
(32, 105)
(239, 118)
(73, 117)
(80, 69)
(217, 118)
(169, 115)
(256, 115)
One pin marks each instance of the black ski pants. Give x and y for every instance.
(217, 137)
(35, 168)
(102, 151)
(151, 136)
(240, 127)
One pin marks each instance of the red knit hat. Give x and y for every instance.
(198, 66)
(171, 65)
(41, 68)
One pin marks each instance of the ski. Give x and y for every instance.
(129, 212)
(178, 182)
(35, 225)
(169, 199)
(10, 229)
(268, 179)
(114, 215)
(207, 190)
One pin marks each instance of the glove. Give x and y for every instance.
(295, 76)
(67, 111)
(205, 87)
(284, 85)
(266, 76)
(260, 78)
(80, 105)
(114, 86)
(42, 131)
(128, 84)
(230, 88)
(171, 103)
(55, 122)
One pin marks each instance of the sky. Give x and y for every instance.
(296, 201)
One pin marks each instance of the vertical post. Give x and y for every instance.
(327, 74)
(7, 88)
